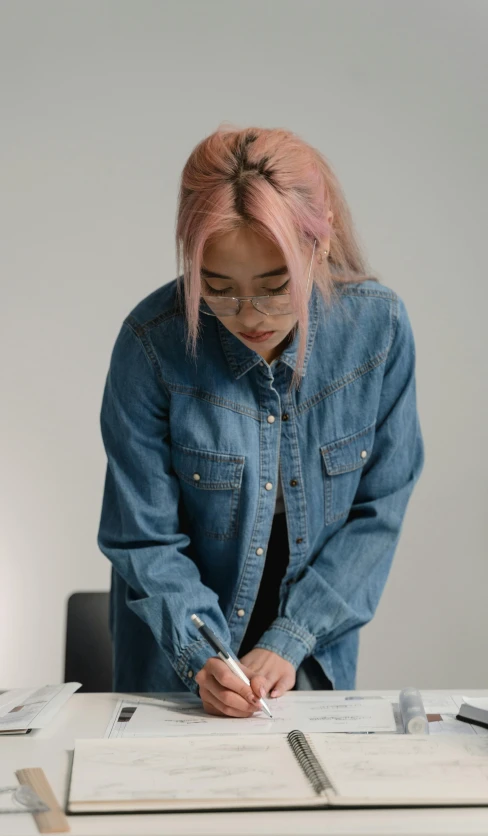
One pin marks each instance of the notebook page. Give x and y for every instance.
(405, 766)
(185, 768)
(183, 714)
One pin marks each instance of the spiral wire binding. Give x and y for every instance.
(309, 762)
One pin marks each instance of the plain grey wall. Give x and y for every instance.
(101, 104)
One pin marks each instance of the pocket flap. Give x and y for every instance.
(348, 453)
(206, 470)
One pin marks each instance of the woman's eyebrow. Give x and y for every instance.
(278, 271)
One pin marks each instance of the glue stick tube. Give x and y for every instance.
(413, 712)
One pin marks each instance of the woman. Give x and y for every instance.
(262, 437)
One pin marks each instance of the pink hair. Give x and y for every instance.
(273, 182)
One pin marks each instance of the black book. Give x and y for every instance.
(472, 714)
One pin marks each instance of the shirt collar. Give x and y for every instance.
(241, 358)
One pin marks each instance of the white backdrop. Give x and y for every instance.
(101, 104)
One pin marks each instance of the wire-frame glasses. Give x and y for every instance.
(278, 304)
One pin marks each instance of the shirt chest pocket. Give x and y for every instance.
(343, 464)
(211, 488)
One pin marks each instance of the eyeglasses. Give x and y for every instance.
(278, 304)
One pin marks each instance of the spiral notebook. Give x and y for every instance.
(274, 771)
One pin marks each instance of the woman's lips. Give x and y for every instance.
(260, 338)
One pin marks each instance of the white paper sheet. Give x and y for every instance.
(449, 725)
(185, 768)
(477, 702)
(182, 714)
(405, 766)
(22, 709)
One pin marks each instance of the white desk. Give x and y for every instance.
(87, 715)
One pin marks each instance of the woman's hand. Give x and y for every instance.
(279, 675)
(223, 693)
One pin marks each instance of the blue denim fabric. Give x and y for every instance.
(185, 509)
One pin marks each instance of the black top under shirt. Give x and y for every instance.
(266, 607)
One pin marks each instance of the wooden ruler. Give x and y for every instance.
(54, 820)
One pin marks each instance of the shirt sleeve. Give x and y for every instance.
(340, 589)
(139, 525)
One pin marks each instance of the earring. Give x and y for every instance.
(325, 253)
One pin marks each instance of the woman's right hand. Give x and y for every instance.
(224, 694)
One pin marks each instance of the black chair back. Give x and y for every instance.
(88, 656)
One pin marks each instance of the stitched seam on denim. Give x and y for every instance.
(337, 517)
(309, 644)
(205, 485)
(183, 659)
(265, 646)
(148, 351)
(288, 399)
(328, 498)
(238, 368)
(346, 439)
(345, 469)
(331, 487)
(201, 394)
(290, 361)
(366, 367)
(261, 501)
(292, 628)
(311, 334)
(211, 455)
(348, 290)
(230, 535)
(235, 487)
(340, 383)
(394, 328)
(160, 319)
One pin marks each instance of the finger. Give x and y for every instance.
(213, 705)
(285, 683)
(231, 682)
(260, 682)
(260, 685)
(230, 697)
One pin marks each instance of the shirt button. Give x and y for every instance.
(196, 477)
(189, 674)
(240, 613)
(269, 486)
(270, 419)
(293, 483)
(364, 454)
(299, 540)
(285, 416)
(260, 551)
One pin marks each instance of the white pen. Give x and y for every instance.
(224, 654)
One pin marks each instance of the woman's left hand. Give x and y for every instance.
(279, 674)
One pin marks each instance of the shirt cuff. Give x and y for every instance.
(289, 640)
(192, 660)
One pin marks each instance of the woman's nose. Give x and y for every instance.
(248, 316)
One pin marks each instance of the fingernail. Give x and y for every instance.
(262, 691)
(275, 693)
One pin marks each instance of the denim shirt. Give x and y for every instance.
(193, 449)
